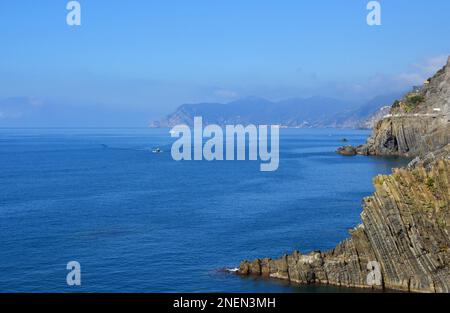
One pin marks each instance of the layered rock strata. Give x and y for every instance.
(405, 230)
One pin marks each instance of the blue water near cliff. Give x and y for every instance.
(141, 222)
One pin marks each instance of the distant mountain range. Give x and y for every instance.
(306, 113)
(313, 112)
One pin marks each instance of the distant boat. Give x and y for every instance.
(157, 150)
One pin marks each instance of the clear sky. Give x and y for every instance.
(149, 56)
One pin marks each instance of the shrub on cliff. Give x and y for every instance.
(412, 101)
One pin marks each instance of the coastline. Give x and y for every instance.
(404, 237)
(406, 240)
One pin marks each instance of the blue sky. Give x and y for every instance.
(149, 56)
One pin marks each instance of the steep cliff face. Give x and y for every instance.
(407, 136)
(417, 124)
(405, 228)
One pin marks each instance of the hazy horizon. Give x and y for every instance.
(129, 65)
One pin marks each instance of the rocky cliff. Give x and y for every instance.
(405, 229)
(417, 124)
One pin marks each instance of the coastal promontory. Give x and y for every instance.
(405, 224)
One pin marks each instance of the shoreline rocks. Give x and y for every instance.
(347, 151)
(405, 229)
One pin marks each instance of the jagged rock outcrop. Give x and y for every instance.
(407, 136)
(405, 228)
(347, 151)
(427, 160)
(417, 124)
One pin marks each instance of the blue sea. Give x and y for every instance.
(137, 221)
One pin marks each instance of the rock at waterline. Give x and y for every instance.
(347, 151)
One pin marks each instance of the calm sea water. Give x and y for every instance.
(141, 222)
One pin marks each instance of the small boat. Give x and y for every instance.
(157, 150)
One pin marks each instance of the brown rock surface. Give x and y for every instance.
(405, 228)
(347, 151)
